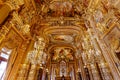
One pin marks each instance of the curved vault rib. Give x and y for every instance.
(73, 31)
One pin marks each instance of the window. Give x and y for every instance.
(4, 56)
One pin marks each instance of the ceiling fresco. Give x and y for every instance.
(62, 53)
(60, 21)
(62, 38)
(66, 8)
(51, 38)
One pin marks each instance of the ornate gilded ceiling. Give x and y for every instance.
(45, 30)
(62, 53)
(60, 21)
(66, 31)
(64, 22)
(57, 8)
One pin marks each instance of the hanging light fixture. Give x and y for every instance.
(37, 56)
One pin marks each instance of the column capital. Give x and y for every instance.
(14, 4)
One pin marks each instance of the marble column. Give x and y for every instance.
(79, 76)
(90, 71)
(39, 73)
(87, 73)
(32, 72)
(25, 64)
(94, 71)
(105, 52)
(81, 66)
(105, 71)
(46, 77)
(22, 74)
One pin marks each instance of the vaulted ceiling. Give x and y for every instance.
(60, 22)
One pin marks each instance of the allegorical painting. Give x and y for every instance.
(62, 38)
(62, 52)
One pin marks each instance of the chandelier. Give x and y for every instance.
(37, 56)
